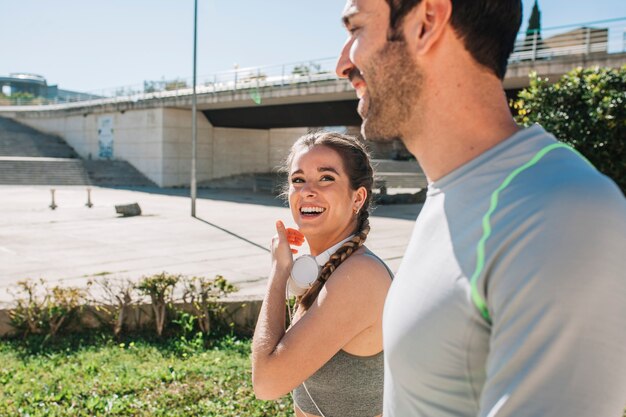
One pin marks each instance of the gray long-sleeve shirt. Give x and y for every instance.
(551, 340)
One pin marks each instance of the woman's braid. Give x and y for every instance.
(335, 260)
(343, 253)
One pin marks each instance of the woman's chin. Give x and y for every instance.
(309, 222)
(306, 229)
(309, 230)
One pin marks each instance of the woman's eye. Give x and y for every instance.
(297, 180)
(327, 178)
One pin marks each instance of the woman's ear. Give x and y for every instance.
(425, 24)
(360, 195)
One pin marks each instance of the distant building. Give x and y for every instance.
(583, 40)
(580, 41)
(36, 86)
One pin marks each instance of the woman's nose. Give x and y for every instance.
(308, 190)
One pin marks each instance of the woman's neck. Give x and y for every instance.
(317, 245)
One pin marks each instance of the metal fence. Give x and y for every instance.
(599, 37)
(252, 78)
(602, 37)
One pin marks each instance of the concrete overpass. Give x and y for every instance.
(248, 118)
(288, 101)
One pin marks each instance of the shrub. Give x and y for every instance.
(586, 108)
(115, 302)
(202, 294)
(160, 289)
(45, 310)
(40, 309)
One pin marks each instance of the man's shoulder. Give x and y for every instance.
(557, 197)
(569, 180)
(555, 174)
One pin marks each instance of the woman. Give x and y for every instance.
(331, 355)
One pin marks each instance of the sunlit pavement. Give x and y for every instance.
(73, 243)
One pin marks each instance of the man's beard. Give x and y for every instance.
(393, 88)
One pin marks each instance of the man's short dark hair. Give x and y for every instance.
(487, 27)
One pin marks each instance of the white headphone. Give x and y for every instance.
(306, 269)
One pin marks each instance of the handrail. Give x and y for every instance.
(604, 36)
(598, 37)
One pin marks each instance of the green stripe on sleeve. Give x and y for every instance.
(478, 300)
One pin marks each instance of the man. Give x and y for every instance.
(511, 298)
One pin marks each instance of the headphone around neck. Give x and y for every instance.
(307, 268)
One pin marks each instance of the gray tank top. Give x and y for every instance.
(347, 385)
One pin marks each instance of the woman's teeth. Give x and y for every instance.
(312, 210)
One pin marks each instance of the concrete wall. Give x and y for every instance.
(243, 314)
(138, 140)
(176, 144)
(137, 136)
(237, 151)
(280, 144)
(78, 131)
(158, 143)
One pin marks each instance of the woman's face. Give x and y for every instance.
(321, 200)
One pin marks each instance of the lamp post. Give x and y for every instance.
(194, 133)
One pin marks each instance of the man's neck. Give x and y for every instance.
(459, 123)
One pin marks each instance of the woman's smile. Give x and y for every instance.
(311, 211)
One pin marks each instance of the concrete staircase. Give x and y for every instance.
(399, 174)
(17, 139)
(393, 174)
(257, 182)
(42, 171)
(30, 157)
(115, 174)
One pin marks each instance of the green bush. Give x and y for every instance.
(180, 305)
(586, 109)
(115, 302)
(160, 288)
(202, 294)
(41, 309)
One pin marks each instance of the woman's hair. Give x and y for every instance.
(358, 167)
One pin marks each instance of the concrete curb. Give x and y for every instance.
(242, 313)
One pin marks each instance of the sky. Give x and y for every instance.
(91, 45)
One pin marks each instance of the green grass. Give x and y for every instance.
(94, 375)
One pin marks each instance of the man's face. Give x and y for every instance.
(383, 73)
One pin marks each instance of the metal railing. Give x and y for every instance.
(599, 37)
(251, 78)
(606, 36)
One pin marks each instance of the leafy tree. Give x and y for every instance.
(534, 22)
(175, 85)
(306, 69)
(532, 40)
(586, 108)
(151, 86)
(21, 98)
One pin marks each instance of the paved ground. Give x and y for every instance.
(73, 242)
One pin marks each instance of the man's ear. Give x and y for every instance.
(425, 24)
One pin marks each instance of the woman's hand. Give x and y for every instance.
(295, 238)
(282, 253)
